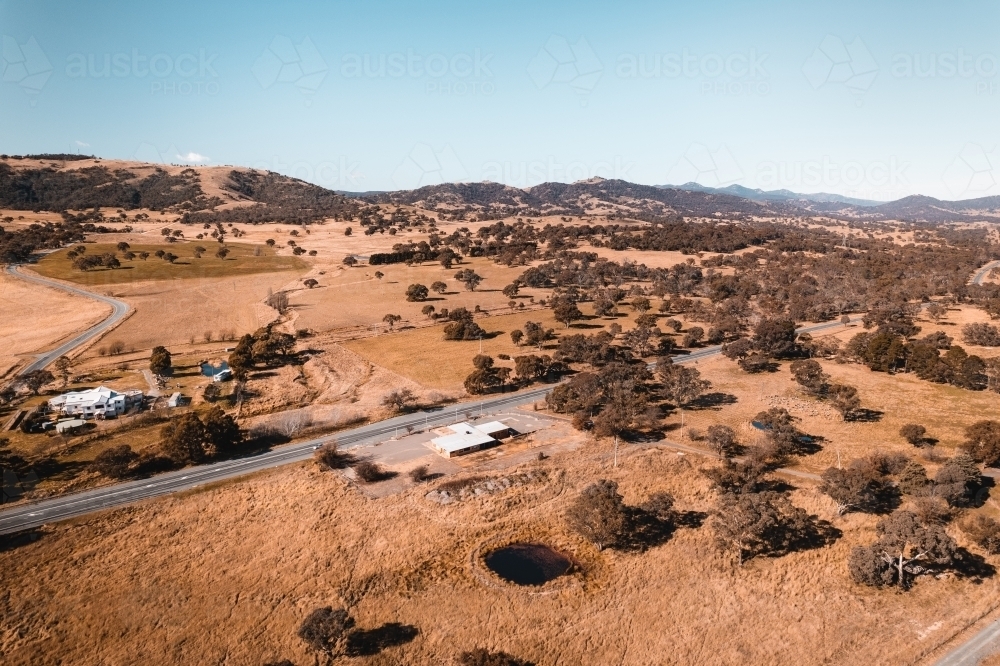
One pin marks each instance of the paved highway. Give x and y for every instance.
(119, 310)
(68, 506)
(60, 508)
(979, 276)
(974, 650)
(984, 643)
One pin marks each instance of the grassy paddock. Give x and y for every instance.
(423, 355)
(240, 261)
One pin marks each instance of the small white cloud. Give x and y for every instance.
(82, 144)
(192, 157)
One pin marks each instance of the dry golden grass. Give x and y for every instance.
(944, 410)
(174, 581)
(174, 312)
(36, 317)
(351, 297)
(426, 357)
(243, 259)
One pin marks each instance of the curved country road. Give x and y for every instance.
(119, 310)
(980, 275)
(983, 643)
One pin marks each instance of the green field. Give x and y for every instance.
(242, 259)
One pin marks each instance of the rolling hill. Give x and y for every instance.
(235, 194)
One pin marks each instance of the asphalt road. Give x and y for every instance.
(68, 506)
(974, 650)
(979, 276)
(120, 309)
(984, 643)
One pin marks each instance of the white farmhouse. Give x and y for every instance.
(100, 402)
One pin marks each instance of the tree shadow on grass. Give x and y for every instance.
(647, 530)
(369, 642)
(50, 469)
(14, 541)
(864, 416)
(690, 519)
(807, 445)
(970, 565)
(814, 533)
(714, 400)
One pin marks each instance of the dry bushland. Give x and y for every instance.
(257, 556)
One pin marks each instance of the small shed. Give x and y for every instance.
(175, 400)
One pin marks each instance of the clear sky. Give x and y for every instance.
(874, 100)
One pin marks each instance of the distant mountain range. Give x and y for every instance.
(774, 195)
(230, 194)
(599, 196)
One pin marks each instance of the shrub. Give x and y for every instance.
(913, 433)
(420, 474)
(599, 514)
(983, 531)
(723, 439)
(329, 457)
(324, 629)
(982, 442)
(481, 657)
(115, 462)
(983, 335)
(416, 292)
(369, 472)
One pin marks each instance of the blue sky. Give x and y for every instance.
(870, 101)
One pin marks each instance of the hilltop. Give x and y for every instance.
(238, 194)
